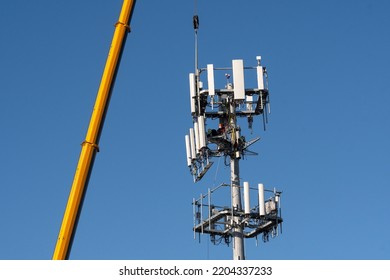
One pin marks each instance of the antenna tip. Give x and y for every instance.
(258, 58)
(195, 21)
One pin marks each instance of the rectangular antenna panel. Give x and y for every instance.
(192, 143)
(188, 150)
(238, 79)
(196, 130)
(202, 132)
(260, 77)
(247, 206)
(210, 79)
(261, 200)
(192, 91)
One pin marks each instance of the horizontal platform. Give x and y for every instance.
(250, 230)
(258, 105)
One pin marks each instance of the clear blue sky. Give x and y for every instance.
(327, 144)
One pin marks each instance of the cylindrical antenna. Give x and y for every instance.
(277, 199)
(247, 206)
(261, 200)
(260, 74)
(210, 79)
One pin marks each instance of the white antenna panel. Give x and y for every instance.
(261, 200)
(210, 79)
(260, 77)
(196, 130)
(247, 206)
(192, 144)
(238, 79)
(188, 150)
(192, 91)
(202, 132)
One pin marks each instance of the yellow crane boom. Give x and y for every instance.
(91, 142)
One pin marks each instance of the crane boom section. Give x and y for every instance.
(90, 145)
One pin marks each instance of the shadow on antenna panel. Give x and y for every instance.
(220, 100)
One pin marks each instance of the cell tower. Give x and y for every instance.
(224, 106)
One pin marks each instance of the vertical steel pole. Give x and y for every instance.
(237, 230)
(90, 145)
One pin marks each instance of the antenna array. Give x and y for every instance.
(215, 111)
(263, 218)
(224, 139)
(226, 105)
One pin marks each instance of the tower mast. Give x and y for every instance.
(228, 224)
(205, 141)
(237, 229)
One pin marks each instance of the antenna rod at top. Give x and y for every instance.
(195, 21)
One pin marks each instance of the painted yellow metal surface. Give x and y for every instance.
(90, 145)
